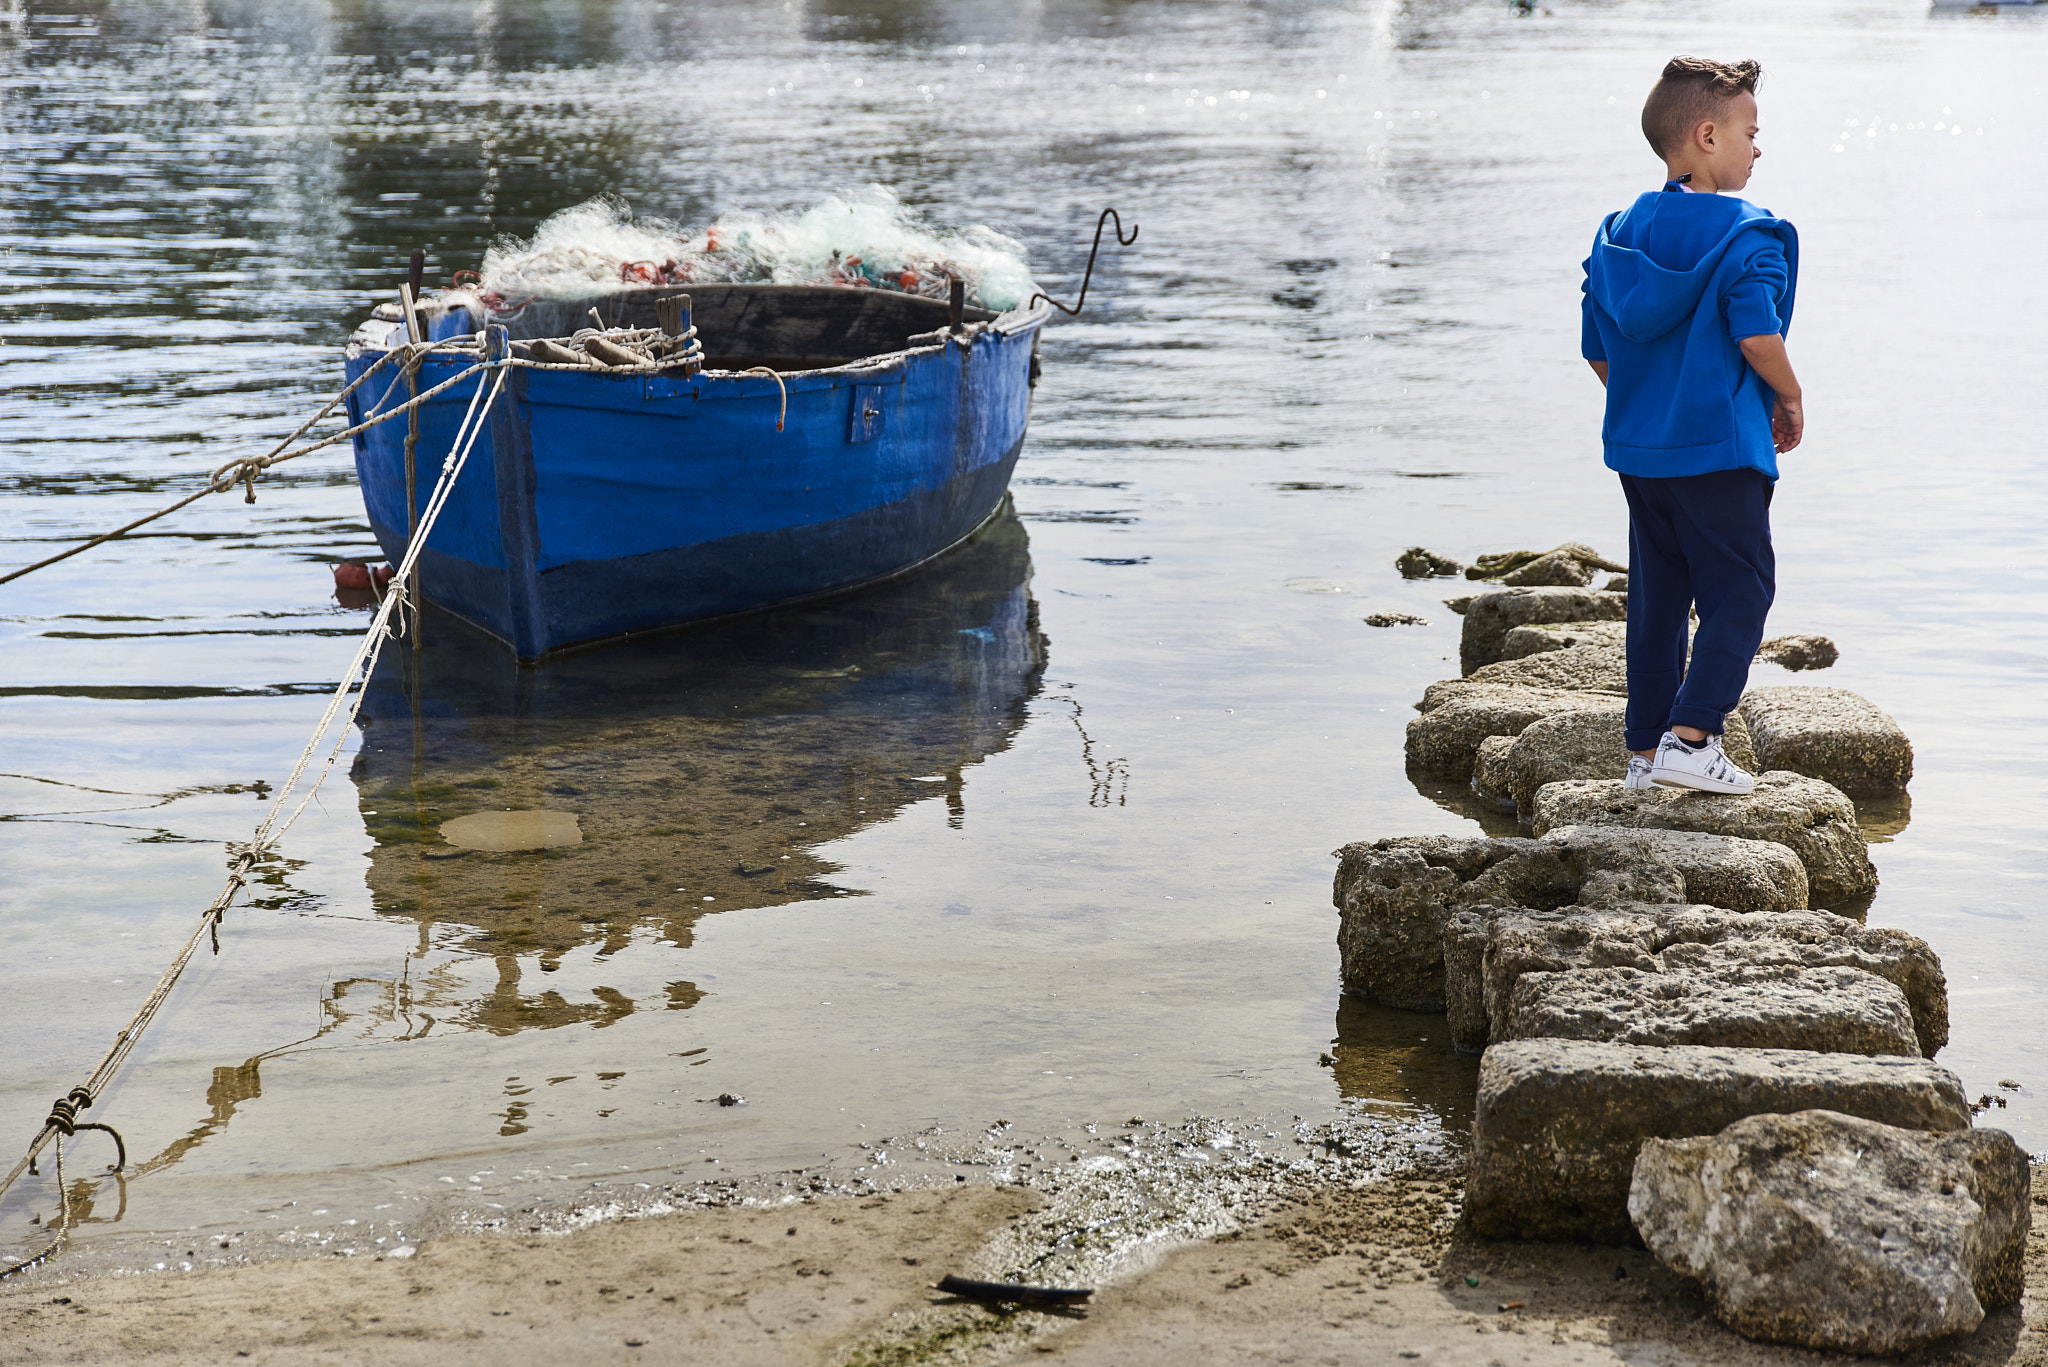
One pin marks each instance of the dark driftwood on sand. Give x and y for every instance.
(1010, 1293)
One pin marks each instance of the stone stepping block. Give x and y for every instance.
(1839, 1232)
(1491, 616)
(1813, 819)
(1487, 951)
(1727, 1002)
(1829, 734)
(1490, 771)
(1521, 642)
(1585, 669)
(1559, 1122)
(1586, 743)
(1445, 739)
(1394, 897)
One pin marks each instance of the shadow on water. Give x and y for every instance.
(1405, 1058)
(701, 768)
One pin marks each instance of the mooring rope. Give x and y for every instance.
(62, 1119)
(410, 356)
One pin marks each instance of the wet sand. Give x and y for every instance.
(1336, 1274)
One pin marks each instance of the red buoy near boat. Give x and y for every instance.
(355, 574)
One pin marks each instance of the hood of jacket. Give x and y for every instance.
(1653, 262)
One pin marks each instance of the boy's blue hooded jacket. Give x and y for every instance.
(1675, 281)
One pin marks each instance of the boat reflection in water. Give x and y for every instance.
(676, 775)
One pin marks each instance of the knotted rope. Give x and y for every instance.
(409, 356)
(62, 1120)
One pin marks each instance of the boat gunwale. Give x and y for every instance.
(1026, 320)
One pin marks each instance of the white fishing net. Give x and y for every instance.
(864, 241)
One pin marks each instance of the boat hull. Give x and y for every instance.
(597, 505)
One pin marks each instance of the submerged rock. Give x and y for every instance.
(1419, 562)
(1495, 947)
(1547, 636)
(1395, 896)
(1560, 1122)
(1491, 616)
(1829, 734)
(1814, 820)
(503, 831)
(1799, 652)
(1837, 1232)
(1395, 619)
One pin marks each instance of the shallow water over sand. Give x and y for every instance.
(1041, 834)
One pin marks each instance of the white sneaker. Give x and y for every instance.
(1704, 770)
(1638, 773)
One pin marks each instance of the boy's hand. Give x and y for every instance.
(1788, 423)
(1766, 356)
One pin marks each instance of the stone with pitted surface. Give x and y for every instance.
(1560, 1122)
(1491, 616)
(1829, 734)
(1395, 896)
(1727, 1002)
(1838, 1232)
(1445, 738)
(1813, 819)
(1501, 944)
(1586, 743)
(1541, 639)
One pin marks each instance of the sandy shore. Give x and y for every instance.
(1338, 1275)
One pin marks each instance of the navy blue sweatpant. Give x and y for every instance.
(1694, 539)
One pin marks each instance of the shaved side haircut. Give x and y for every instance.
(1692, 90)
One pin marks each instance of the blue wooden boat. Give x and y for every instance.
(600, 504)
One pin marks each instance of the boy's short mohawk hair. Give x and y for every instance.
(1692, 89)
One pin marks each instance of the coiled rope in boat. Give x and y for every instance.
(492, 369)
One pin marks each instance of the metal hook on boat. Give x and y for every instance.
(1089, 274)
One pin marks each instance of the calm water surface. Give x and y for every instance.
(1042, 834)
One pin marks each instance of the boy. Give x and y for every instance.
(1687, 297)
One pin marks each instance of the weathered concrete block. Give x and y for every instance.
(1829, 734)
(1586, 743)
(1560, 1122)
(1445, 738)
(1717, 870)
(1394, 896)
(1490, 772)
(1491, 616)
(1814, 820)
(1465, 937)
(1542, 639)
(1505, 943)
(1585, 669)
(1730, 1003)
(1839, 1232)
